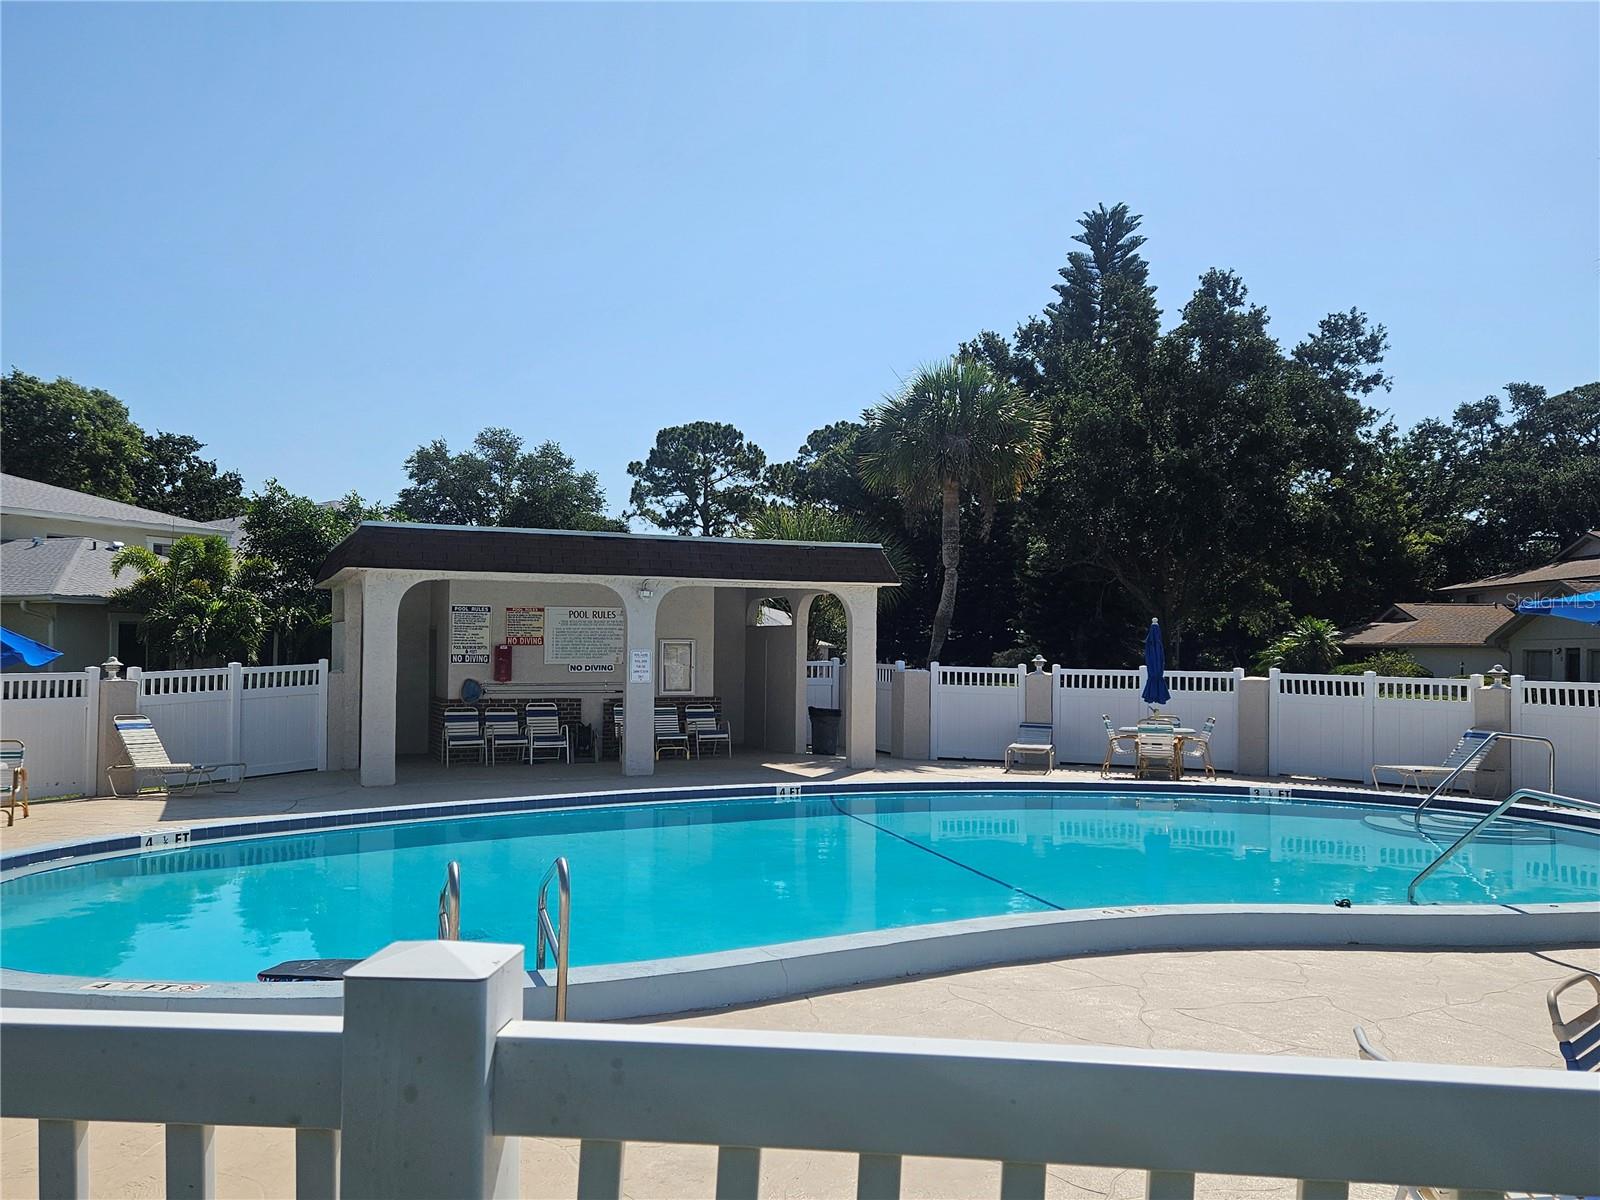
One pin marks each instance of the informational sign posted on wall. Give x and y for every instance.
(584, 638)
(469, 634)
(524, 626)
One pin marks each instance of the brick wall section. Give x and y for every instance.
(570, 708)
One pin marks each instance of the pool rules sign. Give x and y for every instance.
(469, 634)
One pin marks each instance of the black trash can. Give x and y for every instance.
(825, 729)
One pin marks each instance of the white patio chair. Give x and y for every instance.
(1156, 753)
(546, 733)
(706, 728)
(1034, 737)
(1413, 773)
(147, 756)
(13, 777)
(463, 730)
(1199, 745)
(1115, 741)
(503, 732)
(669, 734)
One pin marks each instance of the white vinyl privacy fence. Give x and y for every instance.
(973, 712)
(273, 719)
(822, 687)
(1569, 715)
(57, 716)
(1080, 700)
(884, 733)
(1339, 726)
(427, 1083)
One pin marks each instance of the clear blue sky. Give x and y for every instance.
(316, 236)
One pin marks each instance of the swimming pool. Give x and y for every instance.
(664, 879)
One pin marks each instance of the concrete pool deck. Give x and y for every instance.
(424, 781)
(1469, 1008)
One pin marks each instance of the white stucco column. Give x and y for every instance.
(861, 717)
(800, 647)
(639, 698)
(380, 632)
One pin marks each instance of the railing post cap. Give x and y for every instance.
(437, 961)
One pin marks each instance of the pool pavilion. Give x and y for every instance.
(429, 616)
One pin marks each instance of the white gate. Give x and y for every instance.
(822, 687)
(273, 719)
(284, 718)
(974, 711)
(1569, 715)
(57, 716)
(885, 711)
(1081, 699)
(1320, 725)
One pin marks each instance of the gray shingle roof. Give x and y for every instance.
(1435, 625)
(69, 568)
(19, 494)
(556, 552)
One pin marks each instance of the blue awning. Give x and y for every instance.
(1583, 607)
(19, 651)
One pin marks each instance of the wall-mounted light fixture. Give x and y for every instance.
(644, 590)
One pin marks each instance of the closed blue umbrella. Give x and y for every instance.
(1155, 691)
(19, 651)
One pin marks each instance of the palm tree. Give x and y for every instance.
(200, 604)
(954, 432)
(1311, 646)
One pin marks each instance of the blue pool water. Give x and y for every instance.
(658, 880)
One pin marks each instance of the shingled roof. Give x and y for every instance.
(59, 568)
(408, 547)
(1435, 625)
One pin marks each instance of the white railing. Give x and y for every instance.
(885, 675)
(429, 1080)
(973, 712)
(1080, 697)
(57, 716)
(1569, 715)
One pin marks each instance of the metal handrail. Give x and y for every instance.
(1492, 814)
(546, 934)
(1478, 752)
(450, 904)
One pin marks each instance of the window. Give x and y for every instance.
(1574, 664)
(1538, 664)
(677, 666)
(159, 546)
(1594, 666)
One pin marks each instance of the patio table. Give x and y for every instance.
(1178, 732)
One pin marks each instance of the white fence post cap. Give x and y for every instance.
(437, 960)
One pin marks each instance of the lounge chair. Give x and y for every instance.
(1199, 745)
(546, 733)
(1413, 773)
(503, 732)
(147, 756)
(1034, 737)
(13, 777)
(1579, 1038)
(1156, 753)
(463, 730)
(669, 734)
(1115, 741)
(705, 728)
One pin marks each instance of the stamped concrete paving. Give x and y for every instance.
(1485, 1008)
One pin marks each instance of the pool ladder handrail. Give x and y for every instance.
(556, 938)
(1478, 751)
(1550, 798)
(450, 904)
